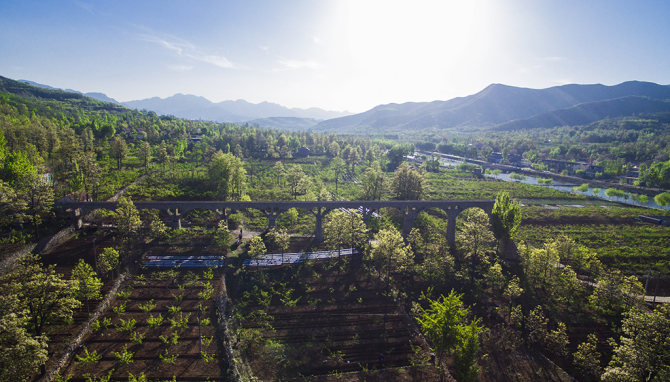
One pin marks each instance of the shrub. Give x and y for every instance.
(88, 357)
(137, 338)
(167, 358)
(124, 357)
(126, 326)
(148, 306)
(155, 322)
(120, 309)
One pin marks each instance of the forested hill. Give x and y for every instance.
(495, 105)
(45, 101)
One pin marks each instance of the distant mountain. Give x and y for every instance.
(590, 112)
(286, 123)
(495, 105)
(195, 107)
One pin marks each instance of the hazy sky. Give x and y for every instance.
(338, 55)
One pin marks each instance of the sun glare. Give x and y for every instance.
(414, 43)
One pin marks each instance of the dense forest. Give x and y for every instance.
(545, 288)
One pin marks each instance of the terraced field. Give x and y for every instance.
(323, 320)
(162, 325)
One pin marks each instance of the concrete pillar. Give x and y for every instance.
(451, 228)
(177, 218)
(318, 231)
(272, 219)
(408, 221)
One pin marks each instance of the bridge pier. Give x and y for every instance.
(451, 228)
(408, 221)
(318, 229)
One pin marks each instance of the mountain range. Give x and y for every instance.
(196, 107)
(507, 107)
(499, 107)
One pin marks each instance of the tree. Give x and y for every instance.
(343, 229)
(228, 176)
(39, 196)
(587, 358)
(337, 167)
(373, 180)
(446, 324)
(397, 153)
(144, 153)
(643, 351)
(87, 284)
(334, 149)
(20, 353)
(615, 293)
(474, 236)
(505, 219)
(407, 183)
(389, 252)
(118, 150)
(107, 260)
(279, 239)
(222, 236)
(297, 180)
(44, 295)
(256, 247)
(127, 218)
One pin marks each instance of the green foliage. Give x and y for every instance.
(643, 351)
(587, 358)
(20, 352)
(613, 192)
(407, 183)
(87, 285)
(227, 176)
(148, 306)
(389, 252)
(343, 229)
(256, 247)
(155, 322)
(127, 218)
(126, 325)
(137, 338)
(505, 218)
(88, 357)
(108, 260)
(662, 199)
(446, 324)
(124, 357)
(42, 293)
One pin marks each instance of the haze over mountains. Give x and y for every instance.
(196, 107)
(508, 107)
(498, 106)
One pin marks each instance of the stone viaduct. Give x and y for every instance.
(410, 208)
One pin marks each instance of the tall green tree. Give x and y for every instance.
(373, 182)
(87, 284)
(389, 252)
(118, 150)
(445, 322)
(337, 168)
(407, 183)
(44, 295)
(127, 219)
(228, 176)
(505, 219)
(343, 229)
(256, 247)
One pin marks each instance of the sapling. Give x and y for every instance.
(206, 340)
(148, 306)
(88, 357)
(136, 337)
(120, 308)
(126, 325)
(155, 322)
(205, 356)
(167, 358)
(124, 357)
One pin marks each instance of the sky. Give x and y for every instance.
(345, 55)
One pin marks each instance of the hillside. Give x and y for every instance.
(495, 105)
